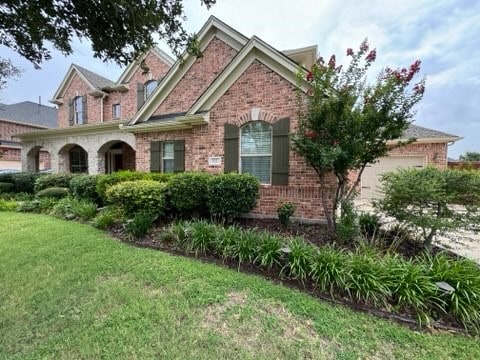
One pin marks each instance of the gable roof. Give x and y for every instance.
(98, 81)
(255, 49)
(133, 66)
(420, 132)
(29, 113)
(212, 28)
(94, 81)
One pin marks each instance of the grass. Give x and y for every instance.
(68, 291)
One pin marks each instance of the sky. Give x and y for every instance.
(443, 34)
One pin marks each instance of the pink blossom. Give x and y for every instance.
(372, 55)
(419, 89)
(338, 68)
(310, 134)
(331, 62)
(309, 76)
(349, 52)
(364, 46)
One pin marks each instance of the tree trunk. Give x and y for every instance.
(429, 240)
(331, 228)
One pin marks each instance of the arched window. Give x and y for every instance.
(78, 160)
(149, 87)
(78, 110)
(256, 150)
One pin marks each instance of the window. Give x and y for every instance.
(78, 110)
(116, 111)
(78, 160)
(256, 150)
(167, 157)
(149, 87)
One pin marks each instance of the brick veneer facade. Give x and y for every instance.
(259, 93)
(9, 129)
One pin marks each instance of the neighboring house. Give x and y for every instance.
(230, 110)
(19, 118)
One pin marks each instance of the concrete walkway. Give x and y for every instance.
(462, 242)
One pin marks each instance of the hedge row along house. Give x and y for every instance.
(230, 110)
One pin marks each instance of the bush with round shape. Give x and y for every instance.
(187, 193)
(61, 180)
(139, 195)
(84, 187)
(52, 192)
(284, 212)
(23, 182)
(6, 187)
(107, 180)
(231, 195)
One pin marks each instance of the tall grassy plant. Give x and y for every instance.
(269, 250)
(298, 259)
(328, 270)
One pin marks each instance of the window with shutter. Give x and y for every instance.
(78, 110)
(167, 156)
(256, 150)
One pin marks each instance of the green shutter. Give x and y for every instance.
(280, 152)
(155, 154)
(70, 112)
(231, 144)
(179, 156)
(140, 95)
(84, 109)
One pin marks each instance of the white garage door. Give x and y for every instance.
(371, 174)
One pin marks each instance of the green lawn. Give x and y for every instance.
(69, 291)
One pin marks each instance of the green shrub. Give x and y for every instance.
(231, 195)
(463, 276)
(177, 233)
(140, 195)
(269, 252)
(6, 187)
(140, 224)
(106, 218)
(52, 192)
(70, 209)
(410, 285)
(202, 235)
(105, 181)
(328, 270)
(431, 200)
(347, 225)
(23, 182)
(53, 180)
(365, 278)
(188, 193)
(299, 256)
(41, 205)
(369, 223)
(8, 205)
(285, 211)
(84, 187)
(244, 249)
(225, 240)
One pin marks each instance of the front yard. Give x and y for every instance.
(69, 291)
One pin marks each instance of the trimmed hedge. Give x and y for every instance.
(187, 193)
(53, 192)
(23, 182)
(105, 181)
(139, 195)
(363, 275)
(84, 187)
(54, 180)
(6, 187)
(231, 195)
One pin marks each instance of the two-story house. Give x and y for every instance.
(230, 110)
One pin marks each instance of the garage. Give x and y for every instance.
(371, 174)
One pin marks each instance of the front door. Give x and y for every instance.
(114, 161)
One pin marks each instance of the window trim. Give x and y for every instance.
(162, 157)
(146, 95)
(119, 111)
(78, 100)
(255, 155)
(81, 151)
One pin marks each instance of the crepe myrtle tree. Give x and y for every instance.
(345, 122)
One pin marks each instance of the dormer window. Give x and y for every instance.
(78, 110)
(149, 88)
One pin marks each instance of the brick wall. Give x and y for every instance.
(9, 129)
(216, 57)
(436, 152)
(258, 87)
(127, 99)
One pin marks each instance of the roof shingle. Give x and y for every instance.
(420, 132)
(31, 113)
(95, 79)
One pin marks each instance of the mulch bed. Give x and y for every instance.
(316, 234)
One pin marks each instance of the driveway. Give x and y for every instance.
(462, 242)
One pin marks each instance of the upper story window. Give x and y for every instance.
(149, 87)
(256, 150)
(116, 111)
(78, 110)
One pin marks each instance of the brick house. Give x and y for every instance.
(19, 118)
(230, 110)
